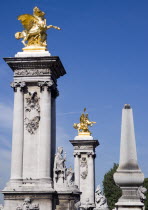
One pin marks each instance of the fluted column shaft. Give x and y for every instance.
(45, 135)
(91, 178)
(18, 133)
(53, 132)
(77, 169)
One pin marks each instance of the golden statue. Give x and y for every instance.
(82, 127)
(35, 30)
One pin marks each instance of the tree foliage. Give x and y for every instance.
(145, 184)
(111, 191)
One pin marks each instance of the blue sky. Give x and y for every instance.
(103, 45)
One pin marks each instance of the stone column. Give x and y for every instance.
(77, 168)
(18, 132)
(55, 93)
(91, 176)
(44, 170)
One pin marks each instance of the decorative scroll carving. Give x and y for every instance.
(27, 205)
(50, 84)
(100, 199)
(91, 154)
(33, 107)
(83, 168)
(78, 154)
(42, 84)
(32, 125)
(14, 85)
(32, 72)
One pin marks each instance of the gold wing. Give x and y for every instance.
(27, 21)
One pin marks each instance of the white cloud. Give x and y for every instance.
(67, 113)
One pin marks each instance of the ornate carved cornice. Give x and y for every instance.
(26, 65)
(15, 85)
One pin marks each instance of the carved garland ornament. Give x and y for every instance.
(83, 168)
(32, 104)
(32, 72)
(32, 125)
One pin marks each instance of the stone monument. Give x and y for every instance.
(34, 123)
(129, 176)
(84, 161)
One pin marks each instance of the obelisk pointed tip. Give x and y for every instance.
(127, 106)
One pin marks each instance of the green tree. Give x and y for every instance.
(145, 184)
(111, 191)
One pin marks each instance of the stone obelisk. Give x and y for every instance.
(128, 176)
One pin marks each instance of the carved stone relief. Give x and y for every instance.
(27, 205)
(83, 168)
(32, 102)
(32, 72)
(32, 112)
(83, 147)
(32, 125)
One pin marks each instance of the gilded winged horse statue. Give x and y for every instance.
(34, 33)
(82, 127)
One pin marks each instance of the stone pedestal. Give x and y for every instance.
(84, 164)
(128, 176)
(66, 200)
(34, 130)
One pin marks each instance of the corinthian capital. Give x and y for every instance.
(48, 84)
(77, 154)
(91, 154)
(15, 85)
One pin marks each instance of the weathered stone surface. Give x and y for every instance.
(84, 155)
(34, 139)
(128, 176)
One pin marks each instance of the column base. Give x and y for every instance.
(67, 200)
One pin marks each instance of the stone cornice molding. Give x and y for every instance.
(39, 64)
